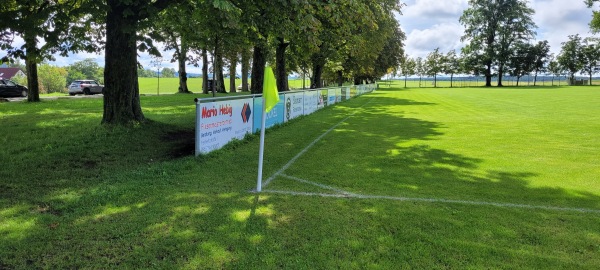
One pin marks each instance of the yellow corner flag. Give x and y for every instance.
(270, 93)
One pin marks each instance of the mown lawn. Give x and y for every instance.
(152, 86)
(414, 178)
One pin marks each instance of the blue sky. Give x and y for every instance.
(430, 24)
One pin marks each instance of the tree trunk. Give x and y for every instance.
(340, 74)
(590, 78)
(245, 68)
(518, 79)
(535, 78)
(488, 75)
(405, 78)
(218, 67)
(32, 75)
(434, 80)
(315, 81)
(181, 57)
(121, 93)
(220, 77)
(232, 71)
(259, 61)
(204, 71)
(420, 77)
(281, 75)
(451, 77)
(303, 80)
(500, 73)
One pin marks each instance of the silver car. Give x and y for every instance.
(87, 87)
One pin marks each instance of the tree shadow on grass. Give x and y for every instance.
(195, 213)
(381, 152)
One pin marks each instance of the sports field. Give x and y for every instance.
(399, 178)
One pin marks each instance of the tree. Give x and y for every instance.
(555, 68)
(420, 68)
(515, 27)
(451, 65)
(595, 23)
(85, 69)
(124, 19)
(541, 53)
(492, 27)
(174, 27)
(168, 73)
(407, 67)
(47, 27)
(51, 78)
(434, 64)
(522, 60)
(571, 56)
(590, 57)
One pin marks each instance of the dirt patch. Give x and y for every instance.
(182, 142)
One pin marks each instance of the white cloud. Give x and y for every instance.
(444, 36)
(435, 9)
(557, 19)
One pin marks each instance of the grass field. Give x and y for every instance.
(400, 178)
(151, 86)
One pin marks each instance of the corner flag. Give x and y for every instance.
(270, 100)
(270, 94)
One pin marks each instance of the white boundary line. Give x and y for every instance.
(434, 200)
(345, 194)
(287, 165)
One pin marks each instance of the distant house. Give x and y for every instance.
(9, 73)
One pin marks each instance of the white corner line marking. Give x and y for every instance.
(293, 160)
(434, 200)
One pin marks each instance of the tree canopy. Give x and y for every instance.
(359, 40)
(492, 28)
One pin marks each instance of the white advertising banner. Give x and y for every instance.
(223, 121)
(322, 99)
(346, 93)
(311, 99)
(331, 97)
(294, 105)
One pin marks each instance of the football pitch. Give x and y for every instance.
(500, 177)
(530, 148)
(417, 178)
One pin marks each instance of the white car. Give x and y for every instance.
(87, 87)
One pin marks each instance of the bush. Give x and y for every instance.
(52, 79)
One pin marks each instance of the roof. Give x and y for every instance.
(8, 73)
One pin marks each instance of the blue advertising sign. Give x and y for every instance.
(274, 117)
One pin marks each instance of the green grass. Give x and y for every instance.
(74, 194)
(170, 85)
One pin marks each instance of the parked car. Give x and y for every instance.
(9, 88)
(87, 87)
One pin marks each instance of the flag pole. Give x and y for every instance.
(261, 147)
(270, 98)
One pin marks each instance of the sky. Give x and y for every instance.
(431, 24)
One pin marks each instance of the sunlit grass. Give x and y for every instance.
(75, 194)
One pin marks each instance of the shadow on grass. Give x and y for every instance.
(381, 152)
(139, 208)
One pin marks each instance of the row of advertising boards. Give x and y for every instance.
(220, 121)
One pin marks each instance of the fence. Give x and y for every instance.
(221, 120)
(473, 81)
